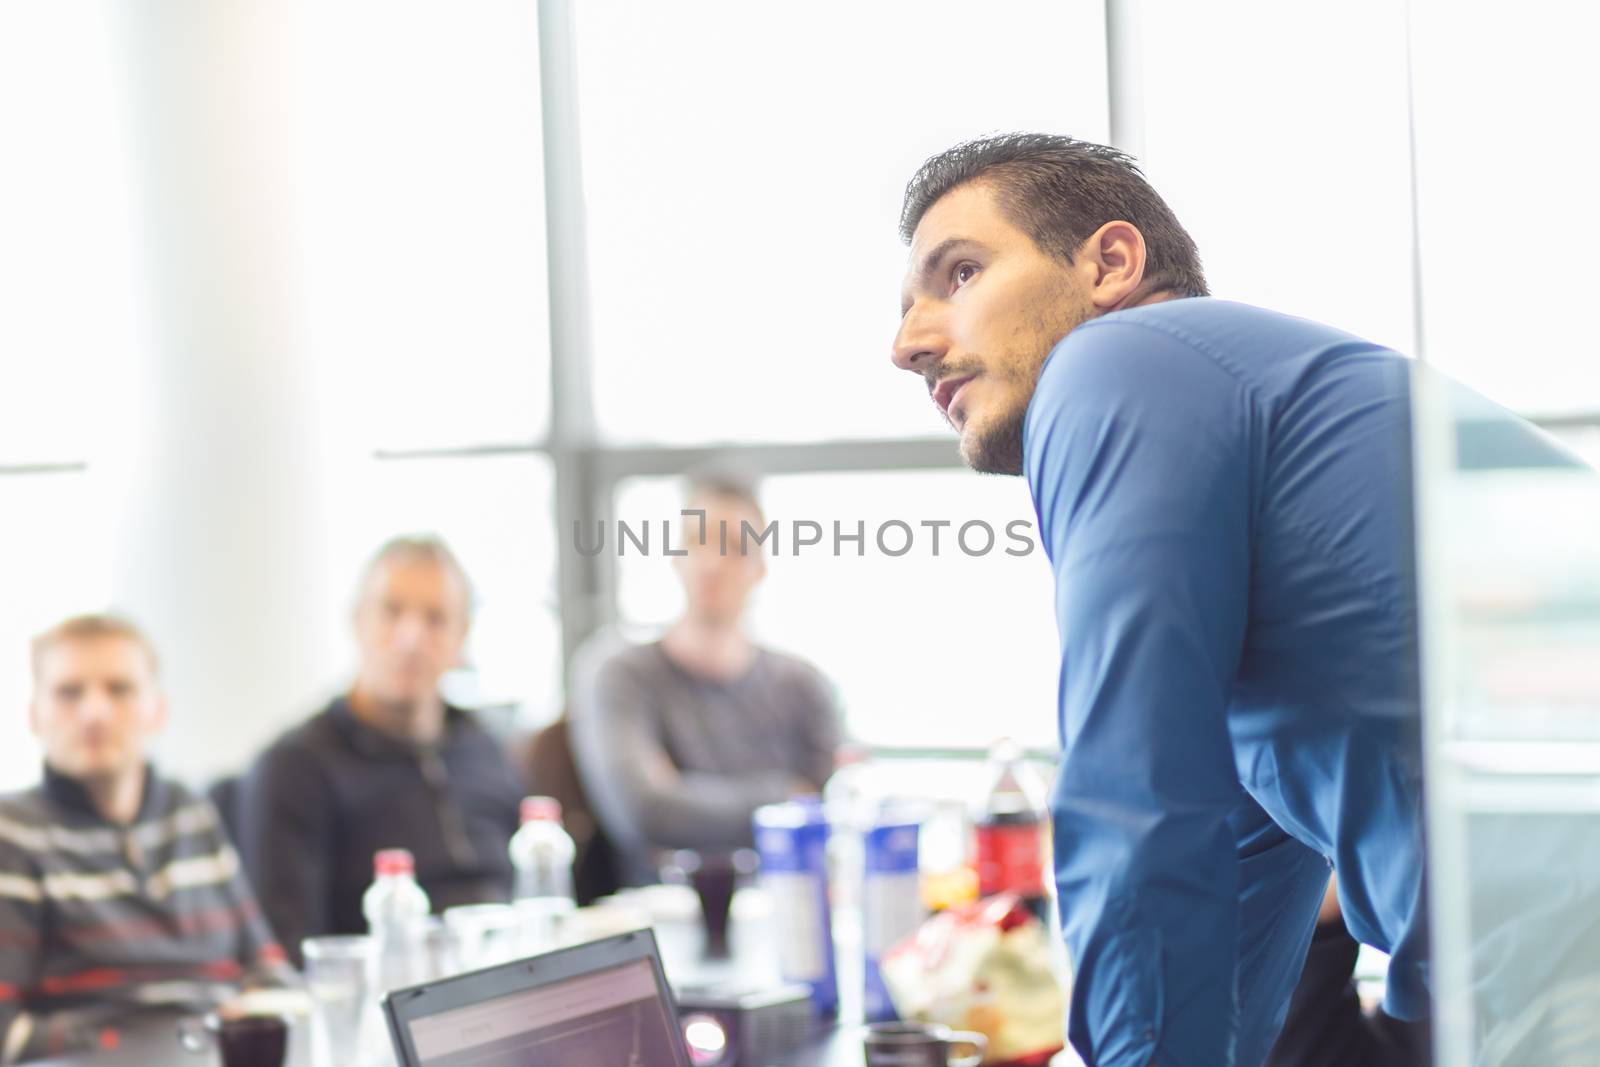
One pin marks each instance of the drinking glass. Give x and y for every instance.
(341, 976)
(484, 934)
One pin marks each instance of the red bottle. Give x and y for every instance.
(1010, 826)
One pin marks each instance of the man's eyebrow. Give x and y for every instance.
(930, 264)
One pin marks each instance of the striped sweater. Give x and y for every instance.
(99, 922)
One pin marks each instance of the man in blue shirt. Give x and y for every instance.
(1224, 495)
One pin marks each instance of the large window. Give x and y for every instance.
(743, 170)
(421, 184)
(1506, 171)
(936, 636)
(56, 559)
(1506, 167)
(68, 332)
(426, 296)
(409, 339)
(1281, 143)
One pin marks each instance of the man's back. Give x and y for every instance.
(1225, 495)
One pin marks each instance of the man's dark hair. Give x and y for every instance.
(1059, 191)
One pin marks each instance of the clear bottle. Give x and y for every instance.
(542, 854)
(1010, 826)
(396, 909)
(850, 805)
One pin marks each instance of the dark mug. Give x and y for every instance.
(715, 876)
(921, 1045)
(243, 1040)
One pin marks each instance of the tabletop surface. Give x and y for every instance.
(154, 1042)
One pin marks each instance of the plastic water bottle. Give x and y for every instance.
(542, 854)
(396, 908)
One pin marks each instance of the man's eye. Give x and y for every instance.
(964, 273)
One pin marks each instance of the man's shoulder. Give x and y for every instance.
(24, 813)
(1194, 359)
(23, 803)
(174, 794)
(308, 742)
(1263, 349)
(788, 668)
(1207, 321)
(465, 728)
(614, 658)
(628, 653)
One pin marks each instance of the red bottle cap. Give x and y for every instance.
(537, 808)
(394, 861)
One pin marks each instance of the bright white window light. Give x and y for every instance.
(743, 167)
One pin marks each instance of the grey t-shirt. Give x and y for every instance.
(671, 759)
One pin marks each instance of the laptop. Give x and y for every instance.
(602, 1003)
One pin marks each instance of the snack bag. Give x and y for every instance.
(983, 966)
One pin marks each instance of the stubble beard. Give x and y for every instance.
(997, 449)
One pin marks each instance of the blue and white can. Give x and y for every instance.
(891, 900)
(792, 839)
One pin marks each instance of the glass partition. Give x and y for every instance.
(1509, 547)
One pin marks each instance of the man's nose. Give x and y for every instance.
(96, 705)
(410, 631)
(920, 342)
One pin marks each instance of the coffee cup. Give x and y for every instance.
(243, 1040)
(912, 1044)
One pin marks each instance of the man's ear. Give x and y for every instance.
(1115, 256)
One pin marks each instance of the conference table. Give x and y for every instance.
(154, 1041)
(155, 1044)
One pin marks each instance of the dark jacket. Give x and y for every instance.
(333, 791)
(100, 921)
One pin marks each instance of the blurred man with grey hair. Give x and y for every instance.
(386, 765)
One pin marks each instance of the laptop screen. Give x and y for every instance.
(611, 1016)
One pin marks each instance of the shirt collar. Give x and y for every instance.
(68, 793)
(375, 744)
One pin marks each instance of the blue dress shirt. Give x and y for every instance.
(1224, 494)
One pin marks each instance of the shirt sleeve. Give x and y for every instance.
(21, 919)
(1138, 454)
(640, 795)
(259, 955)
(284, 833)
(819, 726)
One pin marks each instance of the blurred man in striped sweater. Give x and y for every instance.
(119, 892)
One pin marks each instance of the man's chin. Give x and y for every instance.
(990, 449)
(99, 765)
(411, 694)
